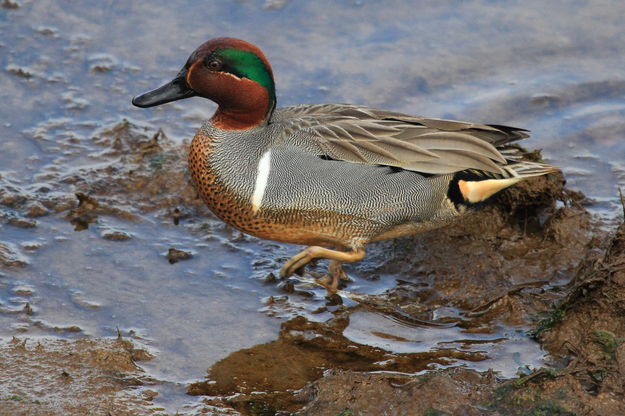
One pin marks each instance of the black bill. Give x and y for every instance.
(177, 89)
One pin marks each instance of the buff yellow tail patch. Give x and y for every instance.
(478, 191)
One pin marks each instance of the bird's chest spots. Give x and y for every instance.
(231, 204)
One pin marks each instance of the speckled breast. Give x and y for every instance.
(235, 208)
(219, 199)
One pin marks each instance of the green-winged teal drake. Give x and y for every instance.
(333, 177)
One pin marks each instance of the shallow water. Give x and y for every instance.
(70, 70)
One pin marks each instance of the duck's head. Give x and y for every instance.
(233, 73)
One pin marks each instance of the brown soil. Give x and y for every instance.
(51, 376)
(583, 333)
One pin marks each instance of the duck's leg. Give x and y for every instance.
(334, 269)
(335, 274)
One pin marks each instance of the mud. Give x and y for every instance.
(51, 376)
(584, 333)
(581, 326)
(133, 165)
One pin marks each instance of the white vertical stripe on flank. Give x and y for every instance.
(262, 176)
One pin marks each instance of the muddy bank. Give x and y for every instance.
(582, 331)
(51, 376)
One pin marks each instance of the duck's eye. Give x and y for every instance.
(214, 64)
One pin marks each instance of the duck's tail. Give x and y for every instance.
(470, 187)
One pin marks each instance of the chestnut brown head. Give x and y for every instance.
(233, 73)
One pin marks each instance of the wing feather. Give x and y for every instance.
(368, 135)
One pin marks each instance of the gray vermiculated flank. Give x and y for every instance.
(300, 181)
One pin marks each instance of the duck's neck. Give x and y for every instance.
(229, 119)
(247, 106)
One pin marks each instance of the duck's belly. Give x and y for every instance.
(310, 227)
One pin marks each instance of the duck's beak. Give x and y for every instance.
(177, 89)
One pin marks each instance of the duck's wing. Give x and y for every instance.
(427, 145)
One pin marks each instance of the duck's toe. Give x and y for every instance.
(331, 283)
(297, 261)
(335, 269)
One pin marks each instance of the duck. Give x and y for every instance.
(332, 177)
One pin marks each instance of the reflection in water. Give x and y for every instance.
(70, 71)
(485, 351)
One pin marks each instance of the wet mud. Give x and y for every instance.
(135, 176)
(582, 331)
(51, 376)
